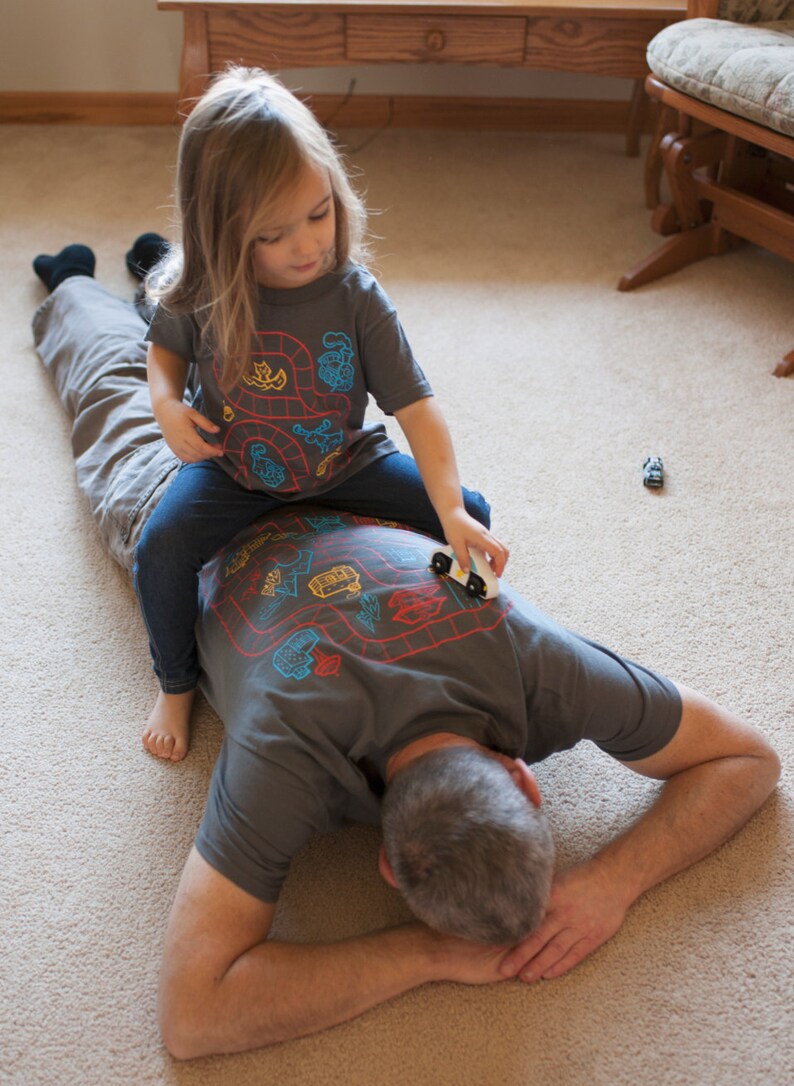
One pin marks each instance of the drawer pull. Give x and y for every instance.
(569, 28)
(433, 39)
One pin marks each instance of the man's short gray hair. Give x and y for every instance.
(470, 853)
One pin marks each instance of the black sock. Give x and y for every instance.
(73, 260)
(146, 251)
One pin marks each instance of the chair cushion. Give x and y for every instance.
(744, 69)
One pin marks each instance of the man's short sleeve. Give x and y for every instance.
(634, 712)
(577, 689)
(260, 811)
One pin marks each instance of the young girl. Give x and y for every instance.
(268, 299)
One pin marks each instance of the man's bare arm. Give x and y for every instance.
(717, 772)
(225, 987)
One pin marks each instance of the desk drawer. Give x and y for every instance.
(462, 39)
(587, 43)
(287, 39)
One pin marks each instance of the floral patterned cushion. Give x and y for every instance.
(745, 69)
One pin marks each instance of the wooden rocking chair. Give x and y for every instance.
(730, 174)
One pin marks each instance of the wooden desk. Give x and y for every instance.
(596, 37)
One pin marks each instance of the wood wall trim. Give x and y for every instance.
(472, 114)
(86, 107)
(366, 111)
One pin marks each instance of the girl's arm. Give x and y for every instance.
(167, 373)
(426, 430)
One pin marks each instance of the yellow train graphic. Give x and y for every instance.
(239, 558)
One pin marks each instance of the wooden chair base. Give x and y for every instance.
(786, 367)
(683, 249)
(729, 179)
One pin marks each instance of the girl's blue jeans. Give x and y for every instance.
(204, 508)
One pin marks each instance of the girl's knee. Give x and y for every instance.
(477, 507)
(163, 541)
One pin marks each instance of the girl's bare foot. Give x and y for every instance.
(167, 732)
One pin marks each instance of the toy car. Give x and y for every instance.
(480, 581)
(653, 471)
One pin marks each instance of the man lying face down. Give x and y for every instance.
(354, 683)
(339, 662)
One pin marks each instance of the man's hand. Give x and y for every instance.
(584, 912)
(465, 962)
(180, 424)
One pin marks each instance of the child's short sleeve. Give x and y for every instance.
(179, 334)
(394, 377)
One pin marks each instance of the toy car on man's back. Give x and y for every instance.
(480, 581)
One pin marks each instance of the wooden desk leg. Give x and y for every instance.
(194, 72)
(637, 113)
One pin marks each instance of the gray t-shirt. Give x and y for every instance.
(327, 645)
(294, 424)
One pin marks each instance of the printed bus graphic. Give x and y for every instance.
(338, 579)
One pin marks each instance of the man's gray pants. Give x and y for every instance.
(91, 342)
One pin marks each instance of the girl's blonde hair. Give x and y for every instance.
(245, 144)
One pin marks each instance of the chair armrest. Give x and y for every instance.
(741, 11)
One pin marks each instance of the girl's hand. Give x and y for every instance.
(462, 531)
(180, 424)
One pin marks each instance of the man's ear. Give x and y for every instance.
(385, 868)
(525, 779)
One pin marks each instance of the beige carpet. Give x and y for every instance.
(502, 252)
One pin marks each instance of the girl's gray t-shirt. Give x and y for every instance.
(294, 426)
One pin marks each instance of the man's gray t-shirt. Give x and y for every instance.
(294, 425)
(327, 645)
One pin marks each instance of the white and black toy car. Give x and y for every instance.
(480, 582)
